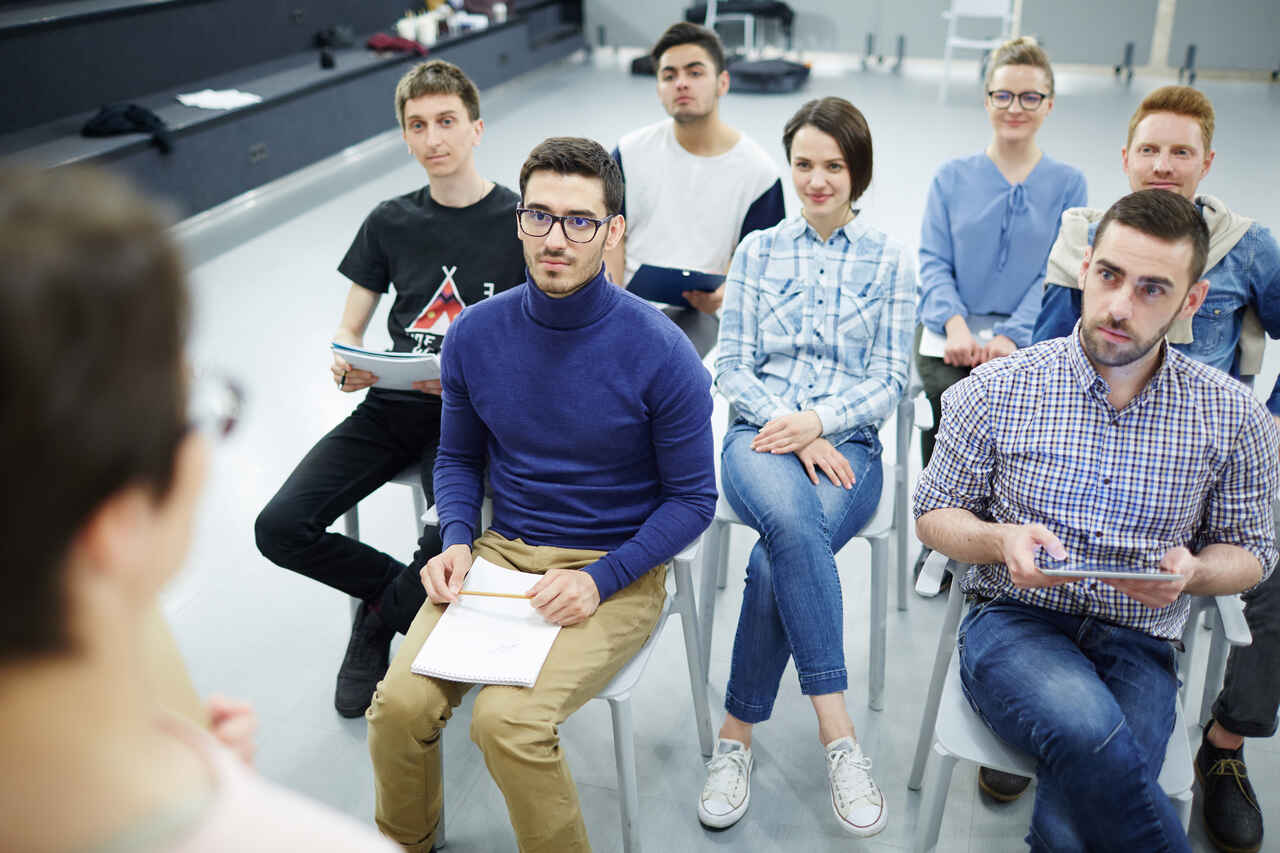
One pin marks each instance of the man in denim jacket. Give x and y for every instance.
(1170, 147)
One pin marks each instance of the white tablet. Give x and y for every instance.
(1104, 574)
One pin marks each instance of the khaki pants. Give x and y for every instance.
(515, 727)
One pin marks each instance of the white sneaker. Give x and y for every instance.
(855, 797)
(727, 793)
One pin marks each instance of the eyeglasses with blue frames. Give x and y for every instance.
(1002, 99)
(577, 229)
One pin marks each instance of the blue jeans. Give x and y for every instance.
(791, 606)
(1094, 703)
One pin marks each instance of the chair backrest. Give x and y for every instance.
(982, 8)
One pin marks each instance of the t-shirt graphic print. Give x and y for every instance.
(429, 328)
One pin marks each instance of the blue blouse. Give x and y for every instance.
(984, 242)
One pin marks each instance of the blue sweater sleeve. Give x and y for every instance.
(458, 475)
(939, 297)
(679, 402)
(1059, 311)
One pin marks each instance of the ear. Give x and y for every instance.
(111, 539)
(1084, 265)
(1124, 159)
(722, 83)
(617, 227)
(478, 127)
(1195, 298)
(1208, 161)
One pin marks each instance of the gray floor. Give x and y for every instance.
(265, 310)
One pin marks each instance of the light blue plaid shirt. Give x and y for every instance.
(817, 325)
(1031, 438)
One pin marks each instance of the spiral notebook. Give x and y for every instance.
(483, 640)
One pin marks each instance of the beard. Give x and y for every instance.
(1111, 354)
(568, 279)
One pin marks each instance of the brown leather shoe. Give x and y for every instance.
(1000, 786)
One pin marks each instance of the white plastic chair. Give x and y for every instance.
(411, 477)
(988, 10)
(956, 732)
(716, 551)
(618, 691)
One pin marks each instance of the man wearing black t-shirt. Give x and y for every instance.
(442, 247)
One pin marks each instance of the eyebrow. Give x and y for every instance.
(533, 205)
(1142, 279)
(697, 63)
(441, 114)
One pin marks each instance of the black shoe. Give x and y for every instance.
(1000, 786)
(1232, 817)
(368, 653)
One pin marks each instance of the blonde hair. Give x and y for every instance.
(1020, 51)
(1179, 100)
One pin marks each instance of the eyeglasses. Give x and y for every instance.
(1002, 99)
(214, 403)
(577, 229)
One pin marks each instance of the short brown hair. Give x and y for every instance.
(93, 308)
(1164, 215)
(436, 77)
(846, 124)
(573, 155)
(684, 32)
(1023, 50)
(1179, 100)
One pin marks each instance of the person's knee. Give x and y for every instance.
(503, 720)
(279, 533)
(402, 707)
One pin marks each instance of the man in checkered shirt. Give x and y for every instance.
(1105, 450)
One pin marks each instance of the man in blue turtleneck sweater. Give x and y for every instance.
(591, 413)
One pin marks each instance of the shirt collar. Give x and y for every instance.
(799, 227)
(1089, 378)
(580, 308)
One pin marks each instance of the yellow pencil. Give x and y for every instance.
(493, 594)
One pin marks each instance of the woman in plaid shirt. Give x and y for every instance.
(814, 340)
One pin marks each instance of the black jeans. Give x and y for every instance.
(384, 435)
(936, 376)
(1250, 693)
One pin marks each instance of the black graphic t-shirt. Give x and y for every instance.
(439, 260)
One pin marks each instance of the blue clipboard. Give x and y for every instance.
(667, 284)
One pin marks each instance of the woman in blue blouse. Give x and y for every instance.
(813, 356)
(988, 226)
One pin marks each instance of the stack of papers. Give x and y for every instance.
(481, 640)
(396, 371)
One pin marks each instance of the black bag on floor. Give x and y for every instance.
(767, 76)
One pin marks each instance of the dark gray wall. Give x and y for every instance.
(80, 64)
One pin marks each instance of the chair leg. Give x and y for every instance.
(685, 604)
(1182, 802)
(351, 522)
(712, 540)
(419, 510)
(722, 556)
(624, 749)
(934, 801)
(902, 497)
(1213, 674)
(879, 606)
(941, 661)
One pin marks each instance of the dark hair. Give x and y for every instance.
(1164, 215)
(844, 123)
(93, 314)
(686, 33)
(436, 77)
(573, 155)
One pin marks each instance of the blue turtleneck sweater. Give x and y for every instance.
(593, 415)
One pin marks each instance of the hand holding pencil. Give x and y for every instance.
(444, 573)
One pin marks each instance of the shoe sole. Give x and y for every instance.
(862, 831)
(1001, 797)
(1217, 842)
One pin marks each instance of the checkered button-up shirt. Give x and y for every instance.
(1031, 438)
(809, 324)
